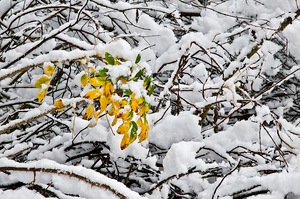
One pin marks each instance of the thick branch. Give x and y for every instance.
(16, 123)
(65, 173)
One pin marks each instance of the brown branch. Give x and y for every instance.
(282, 26)
(39, 63)
(14, 124)
(230, 172)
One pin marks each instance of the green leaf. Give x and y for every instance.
(139, 74)
(147, 82)
(128, 92)
(151, 89)
(138, 58)
(129, 116)
(109, 58)
(133, 132)
(103, 72)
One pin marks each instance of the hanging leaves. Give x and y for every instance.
(43, 82)
(110, 95)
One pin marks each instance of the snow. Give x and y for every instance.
(73, 186)
(222, 121)
(23, 192)
(181, 127)
(177, 162)
(16, 148)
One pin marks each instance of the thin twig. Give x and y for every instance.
(230, 172)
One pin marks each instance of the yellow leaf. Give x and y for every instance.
(114, 121)
(88, 112)
(125, 141)
(59, 105)
(144, 109)
(144, 132)
(96, 81)
(49, 70)
(123, 80)
(123, 128)
(104, 101)
(42, 80)
(84, 79)
(139, 122)
(140, 100)
(93, 94)
(127, 115)
(134, 105)
(96, 116)
(109, 89)
(41, 94)
(147, 108)
(110, 111)
(123, 102)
